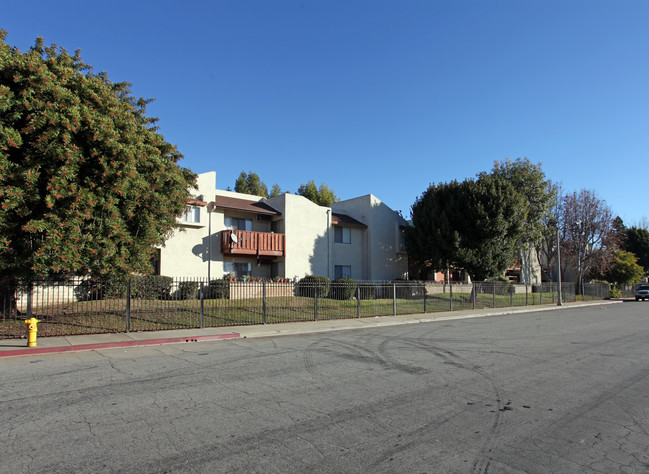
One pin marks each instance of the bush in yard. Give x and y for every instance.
(342, 289)
(217, 290)
(151, 287)
(186, 290)
(313, 285)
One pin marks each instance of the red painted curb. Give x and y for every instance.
(111, 345)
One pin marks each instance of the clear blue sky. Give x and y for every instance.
(381, 97)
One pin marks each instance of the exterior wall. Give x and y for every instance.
(308, 236)
(194, 250)
(384, 259)
(352, 254)
(186, 252)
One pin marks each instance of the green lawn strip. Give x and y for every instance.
(109, 316)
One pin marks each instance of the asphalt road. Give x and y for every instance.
(555, 391)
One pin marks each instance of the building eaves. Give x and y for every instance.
(344, 220)
(244, 205)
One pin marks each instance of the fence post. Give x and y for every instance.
(526, 294)
(128, 305)
(264, 301)
(30, 296)
(511, 296)
(425, 293)
(358, 300)
(474, 293)
(541, 293)
(493, 294)
(450, 299)
(202, 306)
(394, 299)
(315, 301)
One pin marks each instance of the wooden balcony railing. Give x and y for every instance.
(263, 244)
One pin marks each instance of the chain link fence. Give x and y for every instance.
(93, 306)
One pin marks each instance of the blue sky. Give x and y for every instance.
(381, 97)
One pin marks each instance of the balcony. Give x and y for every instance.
(262, 244)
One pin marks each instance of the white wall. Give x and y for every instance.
(383, 260)
(308, 240)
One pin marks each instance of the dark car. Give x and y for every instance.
(642, 292)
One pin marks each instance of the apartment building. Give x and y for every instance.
(226, 233)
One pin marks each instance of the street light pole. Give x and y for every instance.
(559, 302)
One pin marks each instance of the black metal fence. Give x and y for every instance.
(90, 306)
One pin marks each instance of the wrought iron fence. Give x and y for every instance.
(92, 306)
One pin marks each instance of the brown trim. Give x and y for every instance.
(196, 202)
(243, 205)
(344, 220)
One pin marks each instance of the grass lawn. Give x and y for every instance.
(106, 316)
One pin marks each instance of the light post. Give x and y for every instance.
(559, 302)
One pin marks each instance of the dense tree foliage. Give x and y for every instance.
(87, 184)
(250, 183)
(624, 269)
(472, 225)
(637, 242)
(322, 196)
(529, 180)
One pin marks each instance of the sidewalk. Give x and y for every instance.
(46, 345)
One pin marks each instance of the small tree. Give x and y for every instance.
(624, 270)
(250, 183)
(322, 196)
(637, 242)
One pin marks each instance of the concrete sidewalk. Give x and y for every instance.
(46, 345)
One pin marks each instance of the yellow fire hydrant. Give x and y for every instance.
(32, 329)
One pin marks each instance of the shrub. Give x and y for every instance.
(92, 290)
(217, 290)
(342, 289)
(151, 287)
(186, 290)
(313, 285)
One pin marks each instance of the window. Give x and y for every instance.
(342, 271)
(235, 223)
(192, 215)
(342, 235)
(238, 269)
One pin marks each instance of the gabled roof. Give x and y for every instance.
(244, 205)
(346, 221)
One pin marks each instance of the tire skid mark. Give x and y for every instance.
(483, 459)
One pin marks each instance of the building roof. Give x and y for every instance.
(244, 205)
(346, 221)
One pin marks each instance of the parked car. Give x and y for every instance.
(642, 292)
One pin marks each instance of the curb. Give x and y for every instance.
(115, 345)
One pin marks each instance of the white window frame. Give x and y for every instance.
(247, 223)
(192, 215)
(342, 235)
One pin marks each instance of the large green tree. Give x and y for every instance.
(87, 184)
(636, 241)
(529, 180)
(322, 196)
(473, 224)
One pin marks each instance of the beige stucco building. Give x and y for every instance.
(225, 233)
